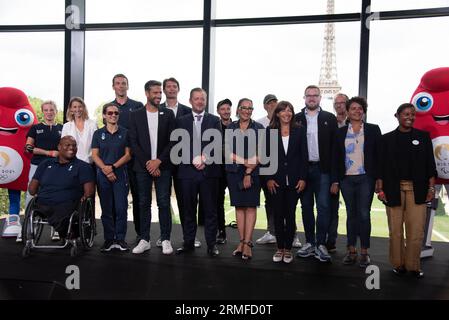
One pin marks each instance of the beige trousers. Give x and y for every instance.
(406, 253)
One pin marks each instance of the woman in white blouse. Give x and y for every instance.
(80, 127)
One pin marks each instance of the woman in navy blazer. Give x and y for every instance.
(357, 152)
(289, 179)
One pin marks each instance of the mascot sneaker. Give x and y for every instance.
(12, 226)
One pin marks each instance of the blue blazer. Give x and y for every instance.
(188, 171)
(182, 109)
(294, 164)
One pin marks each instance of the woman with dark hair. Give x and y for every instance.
(243, 174)
(111, 152)
(357, 153)
(289, 179)
(80, 127)
(407, 183)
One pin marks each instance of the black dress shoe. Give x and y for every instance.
(213, 251)
(221, 237)
(185, 249)
(399, 271)
(418, 274)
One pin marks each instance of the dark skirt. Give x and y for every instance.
(246, 197)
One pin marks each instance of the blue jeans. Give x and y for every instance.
(144, 186)
(114, 204)
(358, 192)
(318, 185)
(333, 223)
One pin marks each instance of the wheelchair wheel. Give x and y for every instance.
(27, 224)
(87, 225)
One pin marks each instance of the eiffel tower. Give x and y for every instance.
(328, 83)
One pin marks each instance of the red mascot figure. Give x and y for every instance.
(16, 118)
(431, 101)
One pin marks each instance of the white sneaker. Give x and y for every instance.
(197, 243)
(159, 243)
(266, 238)
(166, 247)
(296, 243)
(142, 247)
(12, 226)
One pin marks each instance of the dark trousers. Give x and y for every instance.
(269, 210)
(135, 196)
(358, 192)
(284, 203)
(59, 216)
(333, 224)
(162, 185)
(178, 193)
(207, 189)
(222, 184)
(114, 204)
(318, 186)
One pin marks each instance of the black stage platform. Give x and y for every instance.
(154, 276)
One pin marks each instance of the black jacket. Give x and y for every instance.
(423, 166)
(294, 164)
(139, 137)
(371, 150)
(182, 109)
(188, 171)
(327, 127)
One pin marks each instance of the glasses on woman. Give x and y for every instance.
(247, 108)
(112, 113)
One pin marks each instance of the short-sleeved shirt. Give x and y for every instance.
(62, 183)
(125, 109)
(45, 137)
(111, 146)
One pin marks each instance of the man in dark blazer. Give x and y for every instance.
(171, 88)
(149, 133)
(321, 127)
(196, 177)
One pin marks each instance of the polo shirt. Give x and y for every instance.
(125, 110)
(62, 183)
(111, 146)
(45, 137)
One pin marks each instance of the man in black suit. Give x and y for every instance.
(126, 105)
(150, 130)
(197, 176)
(171, 88)
(321, 127)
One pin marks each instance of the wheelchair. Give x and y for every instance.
(82, 218)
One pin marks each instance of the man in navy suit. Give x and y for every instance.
(171, 88)
(198, 176)
(149, 134)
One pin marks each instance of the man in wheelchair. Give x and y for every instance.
(60, 184)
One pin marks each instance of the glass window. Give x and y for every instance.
(34, 63)
(283, 60)
(401, 51)
(102, 11)
(388, 5)
(141, 55)
(26, 12)
(227, 9)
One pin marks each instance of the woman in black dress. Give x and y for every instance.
(243, 174)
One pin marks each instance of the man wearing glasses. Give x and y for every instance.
(321, 127)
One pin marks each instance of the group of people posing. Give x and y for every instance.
(317, 156)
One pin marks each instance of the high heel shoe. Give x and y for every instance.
(238, 252)
(247, 256)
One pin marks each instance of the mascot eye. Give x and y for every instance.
(24, 117)
(423, 101)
